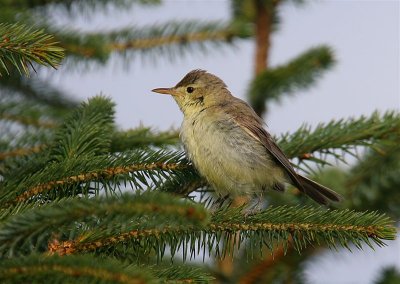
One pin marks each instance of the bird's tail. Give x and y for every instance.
(318, 192)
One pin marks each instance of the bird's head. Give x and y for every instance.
(197, 90)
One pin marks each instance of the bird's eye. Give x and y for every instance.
(189, 89)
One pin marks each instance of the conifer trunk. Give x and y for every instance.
(263, 23)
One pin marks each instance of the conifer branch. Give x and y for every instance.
(191, 37)
(142, 137)
(34, 91)
(389, 275)
(85, 269)
(20, 46)
(90, 269)
(90, 174)
(304, 226)
(184, 184)
(259, 269)
(80, 154)
(181, 274)
(102, 174)
(21, 231)
(167, 39)
(84, 135)
(18, 152)
(300, 73)
(27, 121)
(343, 135)
(371, 182)
(87, 131)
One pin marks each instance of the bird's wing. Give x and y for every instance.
(244, 116)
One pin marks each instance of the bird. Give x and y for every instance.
(225, 140)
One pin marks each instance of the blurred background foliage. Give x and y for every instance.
(36, 115)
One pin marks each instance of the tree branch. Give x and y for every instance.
(300, 73)
(20, 46)
(303, 225)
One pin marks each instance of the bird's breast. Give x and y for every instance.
(228, 157)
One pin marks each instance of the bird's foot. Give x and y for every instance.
(222, 201)
(256, 206)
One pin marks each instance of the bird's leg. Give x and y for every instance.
(259, 203)
(256, 207)
(217, 204)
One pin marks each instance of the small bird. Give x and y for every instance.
(225, 140)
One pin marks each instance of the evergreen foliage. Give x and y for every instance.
(142, 137)
(171, 39)
(337, 138)
(80, 165)
(390, 275)
(372, 181)
(87, 269)
(20, 46)
(84, 201)
(300, 73)
(36, 92)
(90, 269)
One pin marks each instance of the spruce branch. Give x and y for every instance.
(372, 183)
(184, 184)
(171, 33)
(181, 274)
(259, 269)
(26, 121)
(85, 134)
(26, 230)
(173, 38)
(300, 73)
(305, 226)
(79, 158)
(343, 135)
(20, 46)
(87, 131)
(26, 114)
(280, 264)
(85, 174)
(389, 275)
(71, 269)
(37, 92)
(123, 140)
(91, 269)
(142, 137)
(18, 152)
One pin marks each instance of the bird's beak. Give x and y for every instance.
(166, 91)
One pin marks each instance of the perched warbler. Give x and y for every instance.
(226, 141)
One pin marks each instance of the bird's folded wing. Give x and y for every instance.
(251, 123)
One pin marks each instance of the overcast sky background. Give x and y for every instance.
(363, 34)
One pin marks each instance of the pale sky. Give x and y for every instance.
(364, 35)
